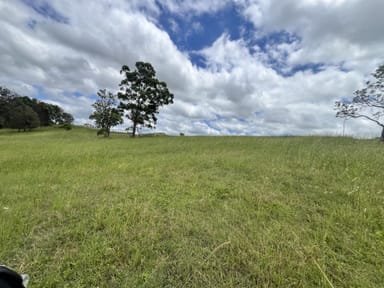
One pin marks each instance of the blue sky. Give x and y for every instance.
(44, 9)
(244, 67)
(195, 32)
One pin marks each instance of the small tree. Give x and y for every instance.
(142, 94)
(106, 114)
(368, 102)
(23, 117)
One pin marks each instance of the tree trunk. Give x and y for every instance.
(134, 129)
(382, 134)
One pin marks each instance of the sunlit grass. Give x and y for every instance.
(82, 211)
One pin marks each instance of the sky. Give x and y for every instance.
(240, 67)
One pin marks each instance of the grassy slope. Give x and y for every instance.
(77, 211)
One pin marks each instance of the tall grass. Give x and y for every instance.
(82, 211)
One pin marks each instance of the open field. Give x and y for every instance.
(81, 211)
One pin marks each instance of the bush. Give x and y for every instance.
(102, 132)
(66, 126)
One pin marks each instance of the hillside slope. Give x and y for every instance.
(83, 211)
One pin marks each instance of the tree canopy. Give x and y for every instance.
(141, 95)
(106, 113)
(23, 118)
(12, 106)
(367, 103)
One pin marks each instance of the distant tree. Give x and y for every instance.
(106, 114)
(48, 114)
(2, 121)
(6, 104)
(57, 116)
(6, 93)
(141, 95)
(66, 118)
(42, 110)
(4, 113)
(23, 118)
(66, 126)
(368, 103)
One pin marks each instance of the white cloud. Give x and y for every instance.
(237, 93)
(195, 7)
(331, 31)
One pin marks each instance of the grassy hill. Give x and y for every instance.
(82, 211)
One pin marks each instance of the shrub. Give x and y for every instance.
(102, 132)
(66, 126)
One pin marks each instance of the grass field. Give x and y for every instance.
(82, 211)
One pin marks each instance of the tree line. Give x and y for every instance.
(25, 113)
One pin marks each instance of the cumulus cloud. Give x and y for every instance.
(194, 7)
(334, 32)
(250, 84)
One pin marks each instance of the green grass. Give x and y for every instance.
(82, 211)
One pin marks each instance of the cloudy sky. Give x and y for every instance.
(240, 67)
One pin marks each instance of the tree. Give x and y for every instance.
(141, 95)
(106, 114)
(23, 117)
(66, 118)
(57, 116)
(6, 103)
(367, 103)
(48, 114)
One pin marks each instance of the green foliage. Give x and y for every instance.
(368, 103)
(66, 126)
(142, 94)
(191, 211)
(102, 132)
(23, 118)
(6, 105)
(48, 114)
(2, 121)
(66, 118)
(106, 114)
